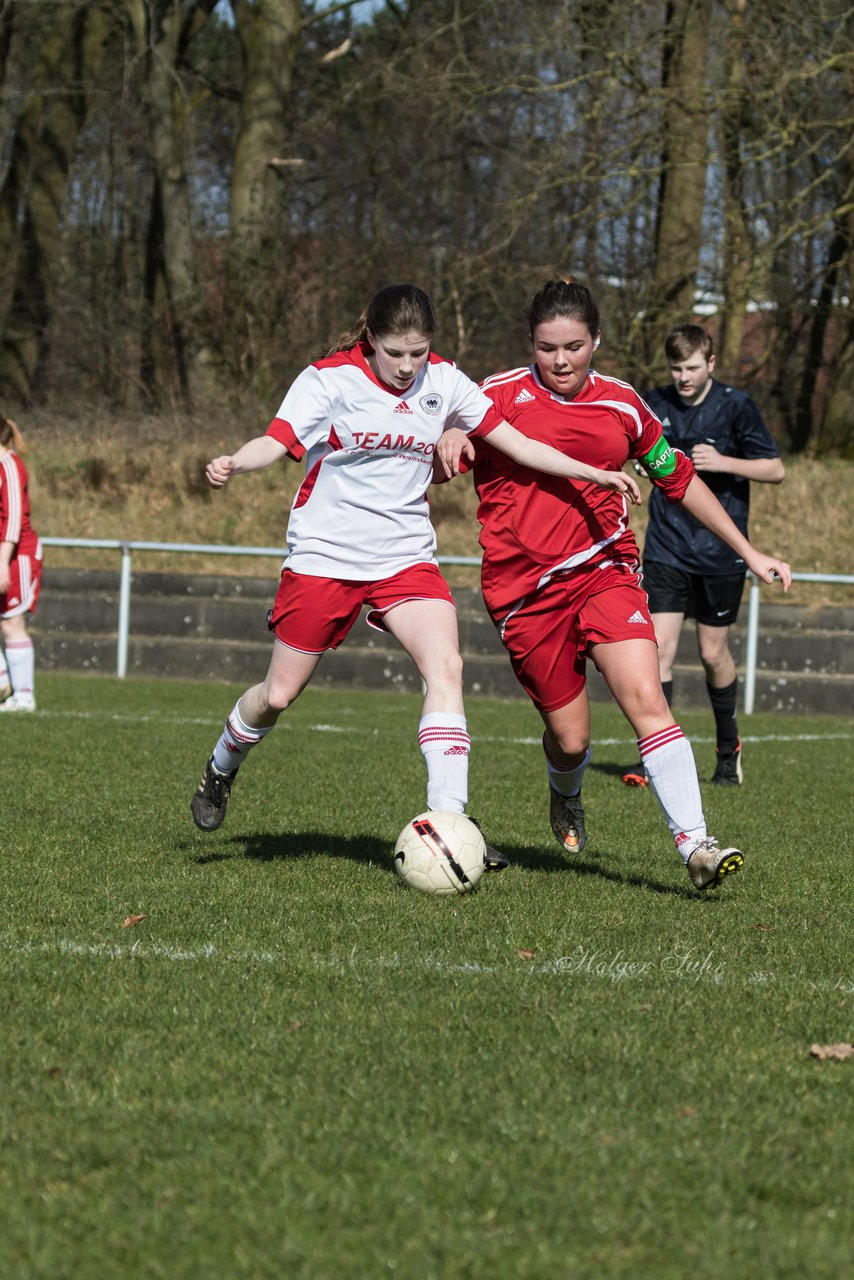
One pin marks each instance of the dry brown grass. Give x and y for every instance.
(143, 479)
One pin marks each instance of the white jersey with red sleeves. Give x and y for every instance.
(361, 512)
(535, 525)
(15, 506)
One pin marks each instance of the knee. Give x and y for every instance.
(570, 747)
(275, 697)
(647, 702)
(715, 657)
(447, 672)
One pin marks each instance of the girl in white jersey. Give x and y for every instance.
(20, 574)
(367, 419)
(561, 570)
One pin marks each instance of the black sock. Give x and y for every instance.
(724, 705)
(667, 686)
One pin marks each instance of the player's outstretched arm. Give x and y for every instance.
(542, 457)
(255, 455)
(704, 506)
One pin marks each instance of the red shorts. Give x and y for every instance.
(315, 614)
(25, 581)
(548, 635)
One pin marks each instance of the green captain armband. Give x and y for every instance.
(661, 460)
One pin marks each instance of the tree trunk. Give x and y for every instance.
(835, 432)
(737, 250)
(269, 34)
(33, 193)
(162, 30)
(682, 190)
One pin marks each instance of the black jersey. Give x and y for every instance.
(729, 420)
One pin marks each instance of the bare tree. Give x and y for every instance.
(162, 31)
(34, 186)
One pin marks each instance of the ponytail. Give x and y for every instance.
(11, 435)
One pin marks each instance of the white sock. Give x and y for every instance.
(669, 763)
(20, 656)
(236, 741)
(445, 746)
(4, 670)
(566, 782)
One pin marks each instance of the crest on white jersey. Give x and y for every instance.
(431, 403)
(524, 396)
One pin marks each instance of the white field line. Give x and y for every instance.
(364, 731)
(586, 962)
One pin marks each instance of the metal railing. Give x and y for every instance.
(214, 549)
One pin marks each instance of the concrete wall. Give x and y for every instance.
(207, 627)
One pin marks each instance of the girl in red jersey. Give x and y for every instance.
(367, 419)
(20, 573)
(561, 570)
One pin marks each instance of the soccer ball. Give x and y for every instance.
(440, 853)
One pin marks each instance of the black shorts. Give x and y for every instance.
(713, 601)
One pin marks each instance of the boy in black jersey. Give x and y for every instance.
(689, 572)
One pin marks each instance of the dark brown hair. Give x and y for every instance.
(399, 308)
(562, 300)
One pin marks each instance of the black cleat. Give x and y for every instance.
(211, 797)
(728, 771)
(492, 859)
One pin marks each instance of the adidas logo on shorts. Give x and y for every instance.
(637, 616)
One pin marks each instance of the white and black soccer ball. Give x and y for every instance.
(440, 853)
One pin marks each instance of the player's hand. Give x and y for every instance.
(705, 457)
(624, 484)
(454, 444)
(769, 570)
(5, 578)
(218, 471)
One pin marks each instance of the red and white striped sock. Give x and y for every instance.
(445, 746)
(672, 772)
(20, 657)
(236, 741)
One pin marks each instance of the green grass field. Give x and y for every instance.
(294, 1067)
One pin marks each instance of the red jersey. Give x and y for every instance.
(535, 525)
(15, 506)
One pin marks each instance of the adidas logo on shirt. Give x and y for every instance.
(523, 397)
(637, 616)
(403, 407)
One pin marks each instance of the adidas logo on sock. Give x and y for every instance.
(523, 397)
(637, 616)
(403, 407)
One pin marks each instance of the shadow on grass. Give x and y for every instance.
(616, 770)
(368, 849)
(268, 847)
(539, 860)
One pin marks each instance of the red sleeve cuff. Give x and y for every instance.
(493, 419)
(675, 485)
(282, 431)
